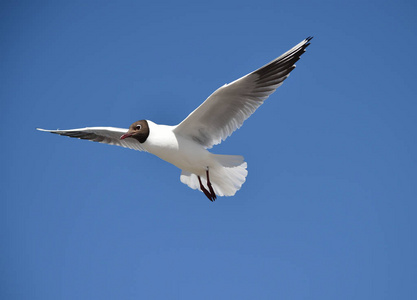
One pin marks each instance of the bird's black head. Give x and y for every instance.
(138, 130)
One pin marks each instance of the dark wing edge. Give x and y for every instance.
(273, 74)
(105, 135)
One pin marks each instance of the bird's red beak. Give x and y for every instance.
(126, 135)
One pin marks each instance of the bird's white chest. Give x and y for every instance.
(179, 151)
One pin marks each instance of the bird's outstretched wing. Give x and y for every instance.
(106, 135)
(230, 105)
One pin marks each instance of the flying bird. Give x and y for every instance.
(185, 145)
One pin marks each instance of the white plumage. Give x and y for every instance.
(186, 144)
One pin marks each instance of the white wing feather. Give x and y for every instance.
(230, 105)
(106, 135)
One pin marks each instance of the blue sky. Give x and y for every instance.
(328, 208)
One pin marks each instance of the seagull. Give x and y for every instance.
(186, 144)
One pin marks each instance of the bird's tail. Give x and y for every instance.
(226, 176)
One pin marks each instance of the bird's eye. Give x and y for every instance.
(138, 127)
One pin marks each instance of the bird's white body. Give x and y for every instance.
(227, 172)
(175, 149)
(185, 145)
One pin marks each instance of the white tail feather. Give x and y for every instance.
(226, 176)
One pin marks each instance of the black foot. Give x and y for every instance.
(211, 195)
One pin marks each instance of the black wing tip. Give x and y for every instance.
(47, 130)
(283, 65)
(307, 41)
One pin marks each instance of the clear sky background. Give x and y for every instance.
(328, 208)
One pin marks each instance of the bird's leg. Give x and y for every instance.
(208, 195)
(213, 194)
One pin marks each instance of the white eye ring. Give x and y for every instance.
(138, 127)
